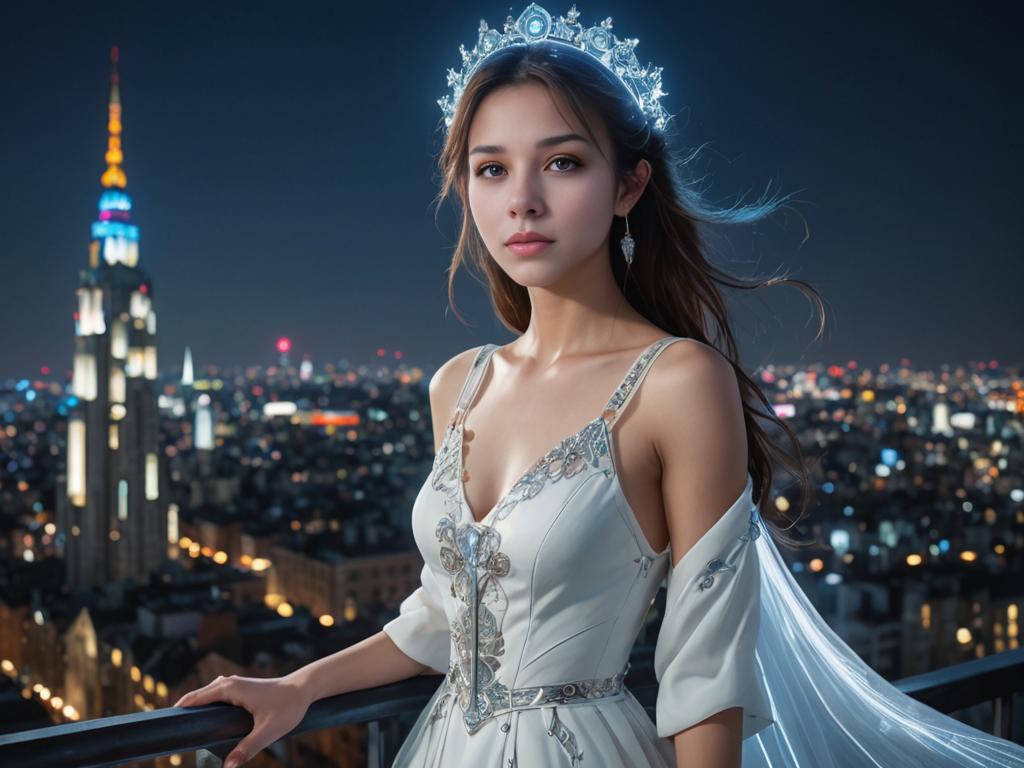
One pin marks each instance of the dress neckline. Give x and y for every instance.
(618, 399)
(522, 477)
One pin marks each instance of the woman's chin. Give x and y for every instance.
(536, 275)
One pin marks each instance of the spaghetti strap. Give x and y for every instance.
(472, 382)
(620, 398)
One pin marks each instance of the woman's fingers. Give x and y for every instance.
(250, 745)
(211, 692)
(275, 707)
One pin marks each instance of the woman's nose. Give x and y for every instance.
(526, 199)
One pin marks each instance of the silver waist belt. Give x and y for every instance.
(530, 697)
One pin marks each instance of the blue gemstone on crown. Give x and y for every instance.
(535, 24)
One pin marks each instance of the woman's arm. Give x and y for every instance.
(370, 662)
(697, 420)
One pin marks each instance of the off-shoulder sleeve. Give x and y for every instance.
(421, 628)
(704, 659)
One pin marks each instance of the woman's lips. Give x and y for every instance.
(531, 248)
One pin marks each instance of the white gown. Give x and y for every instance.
(533, 611)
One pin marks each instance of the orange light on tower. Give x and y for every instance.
(114, 176)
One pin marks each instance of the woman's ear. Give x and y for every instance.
(632, 186)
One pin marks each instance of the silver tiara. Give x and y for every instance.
(535, 24)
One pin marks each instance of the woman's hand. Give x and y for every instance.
(276, 704)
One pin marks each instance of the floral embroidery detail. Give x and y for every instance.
(469, 552)
(440, 706)
(444, 473)
(721, 565)
(645, 564)
(586, 448)
(565, 737)
(713, 567)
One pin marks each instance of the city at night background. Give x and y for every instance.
(228, 490)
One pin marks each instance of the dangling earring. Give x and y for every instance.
(628, 244)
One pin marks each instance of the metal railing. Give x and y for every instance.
(213, 730)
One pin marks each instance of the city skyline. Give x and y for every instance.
(263, 210)
(262, 483)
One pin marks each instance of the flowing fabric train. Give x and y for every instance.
(832, 710)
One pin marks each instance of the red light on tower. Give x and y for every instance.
(284, 345)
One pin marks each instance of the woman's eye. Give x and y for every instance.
(564, 160)
(482, 171)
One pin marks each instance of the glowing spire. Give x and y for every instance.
(187, 378)
(114, 175)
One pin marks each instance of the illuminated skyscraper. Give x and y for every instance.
(187, 385)
(204, 440)
(187, 375)
(114, 517)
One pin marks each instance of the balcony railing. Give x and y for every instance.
(211, 731)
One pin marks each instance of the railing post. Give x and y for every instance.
(213, 757)
(1002, 716)
(374, 746)
(207, 759)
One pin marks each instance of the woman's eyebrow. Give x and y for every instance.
(493, 149)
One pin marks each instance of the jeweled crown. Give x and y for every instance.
(534, 24)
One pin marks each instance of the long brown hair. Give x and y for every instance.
(671, 281)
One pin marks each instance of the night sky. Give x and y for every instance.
(281, 158)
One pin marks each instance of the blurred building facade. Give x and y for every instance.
(112, 517)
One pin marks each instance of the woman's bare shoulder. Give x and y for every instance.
(695, 414)
(690, 397)
(687, 361)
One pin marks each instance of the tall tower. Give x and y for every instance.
(115, 514)
(187, 373)
(187, 386)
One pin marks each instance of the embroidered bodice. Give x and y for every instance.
(540, 601)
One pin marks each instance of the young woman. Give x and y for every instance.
(615, 444)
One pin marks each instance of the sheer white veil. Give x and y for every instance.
(831, 710)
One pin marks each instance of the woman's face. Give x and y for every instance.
(532, 171)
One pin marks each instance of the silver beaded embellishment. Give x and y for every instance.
(543, 696)
(469, 552)
(588, 447)
(440, 705)
(721, 565)
(621, 395)
(645, 564)
(565, 737)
